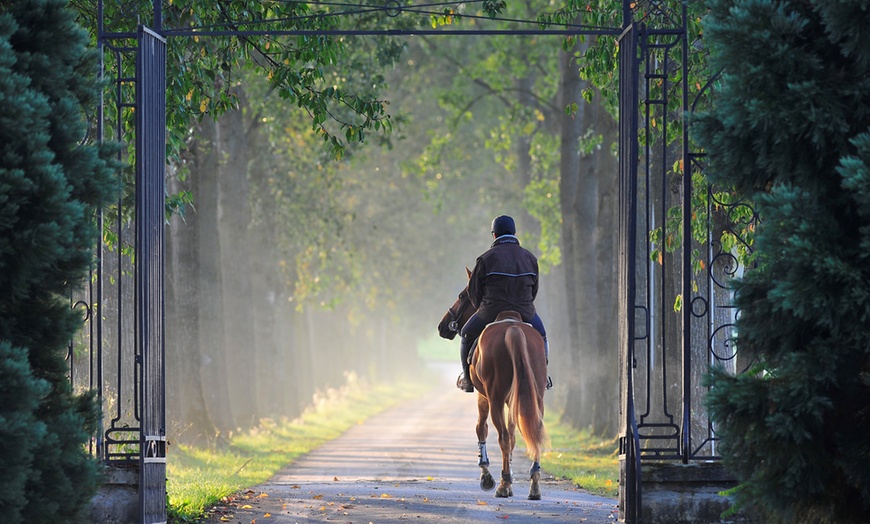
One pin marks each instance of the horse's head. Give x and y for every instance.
(457, 314)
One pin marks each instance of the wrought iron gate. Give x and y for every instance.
(675, 318)
(680, 242)
(120, 354)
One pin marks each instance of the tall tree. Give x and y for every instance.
(791, 128)
(51, 183)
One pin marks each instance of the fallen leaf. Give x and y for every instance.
(294, 486)
(247, 506)
(481, 502)
(262, 495)
(429, 478)
(267, 515)
(335, 479)
(317, 497)
(385, 496)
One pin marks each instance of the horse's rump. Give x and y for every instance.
(514, 351)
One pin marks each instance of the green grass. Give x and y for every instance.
(589, 462)
(199, 478)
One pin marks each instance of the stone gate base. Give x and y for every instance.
(117, 501)
(676, 493)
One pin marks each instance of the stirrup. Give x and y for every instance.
(464, 385)
(549, 382)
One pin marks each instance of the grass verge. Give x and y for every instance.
(589, 462)
(198, 478)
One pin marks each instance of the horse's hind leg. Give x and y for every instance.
(535, 486)
(486, 480)
(504, 442)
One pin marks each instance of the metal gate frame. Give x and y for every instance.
(643, 44)
(676, 309)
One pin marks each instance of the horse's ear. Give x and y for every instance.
(468, 272)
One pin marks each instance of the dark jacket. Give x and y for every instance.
(505, 277)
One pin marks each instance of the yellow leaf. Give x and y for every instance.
(225, 519)
(429, 478)
(247, 506)
(481, 502)
(267, 515)
(204, 104)
(318, 497)
(262, 495)
(189, 95)
(385, 496)
(608, 483)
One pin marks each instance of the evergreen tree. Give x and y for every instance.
(51, 183)
(791, 130)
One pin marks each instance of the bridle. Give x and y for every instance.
(453, 325)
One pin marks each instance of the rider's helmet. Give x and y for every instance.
(503, 225)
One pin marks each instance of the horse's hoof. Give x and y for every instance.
(487, 482)
(503, 492)
(534, 497)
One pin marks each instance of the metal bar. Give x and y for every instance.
(396, 32)
(687, 253)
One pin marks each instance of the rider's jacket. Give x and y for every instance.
(505, 277)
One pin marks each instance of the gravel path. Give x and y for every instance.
(414, 463)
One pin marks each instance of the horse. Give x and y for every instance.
(508, 369)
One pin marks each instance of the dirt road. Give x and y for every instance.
(414, 463)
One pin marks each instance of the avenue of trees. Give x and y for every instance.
(330, 191)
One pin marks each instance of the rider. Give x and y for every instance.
(504, 278)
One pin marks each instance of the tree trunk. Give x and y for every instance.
(187, 415)
(213, 371)
(233, 220)
(588, 202)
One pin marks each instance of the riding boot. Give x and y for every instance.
(547, 357)
(464, 380)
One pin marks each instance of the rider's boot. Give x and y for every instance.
(547, 357)
(464, 380)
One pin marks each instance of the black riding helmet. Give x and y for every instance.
(503, 225)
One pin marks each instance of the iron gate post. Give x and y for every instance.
(150, 170)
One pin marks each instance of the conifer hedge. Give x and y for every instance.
(791, 130)
(52, 180)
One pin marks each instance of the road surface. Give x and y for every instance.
(414, 463)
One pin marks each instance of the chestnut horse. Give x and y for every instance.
(508, 368)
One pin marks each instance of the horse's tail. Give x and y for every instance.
(525, 397)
